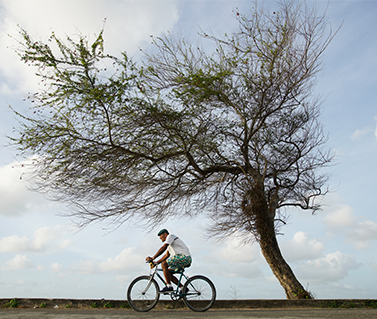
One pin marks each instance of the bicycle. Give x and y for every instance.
(198, 292)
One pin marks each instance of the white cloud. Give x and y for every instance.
(372, 264)
(122, 262)
(56, 267)
(13, 193)
(332, 267)
(65, 243)
(44, 236)
(16, 200)
(18, 262)
(238, 270)
(40, 268)
(229, 259)
(45, 239)
(130, 259)
(341, 220)
(14, 244)
(232, 250)
(59, 270)
(362, 233)
(301, 247)
(87, 267)
(339, 217)
(358, 134)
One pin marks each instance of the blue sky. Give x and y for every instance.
(333, 253)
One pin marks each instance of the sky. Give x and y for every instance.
(333, 253)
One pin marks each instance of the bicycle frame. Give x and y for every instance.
(198, 292)
(155, 271)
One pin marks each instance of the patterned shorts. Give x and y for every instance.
(179, 262)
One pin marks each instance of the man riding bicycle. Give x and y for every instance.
(176, 258)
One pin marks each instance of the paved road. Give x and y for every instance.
(187, 314)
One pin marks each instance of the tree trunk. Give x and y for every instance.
(281, 270)
(256, 207)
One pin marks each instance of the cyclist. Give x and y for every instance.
(176, 258)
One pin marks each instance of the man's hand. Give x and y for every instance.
(160, 251)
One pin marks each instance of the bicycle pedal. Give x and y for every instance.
(167, 291)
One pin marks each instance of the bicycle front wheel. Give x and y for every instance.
(143, 293)
(199, 293)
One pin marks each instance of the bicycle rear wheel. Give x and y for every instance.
(199, 293)
(143, 293)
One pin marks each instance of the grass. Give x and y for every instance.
(370, 304)
(335, 304)
(351, 304)
(11, 304)
(126, 305)
(108, 305)
(94, 305)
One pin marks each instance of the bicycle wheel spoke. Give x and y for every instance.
(143, 293)
(199, 293)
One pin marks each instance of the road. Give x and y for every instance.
(187, 314)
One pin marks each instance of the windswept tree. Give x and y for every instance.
(233, 133)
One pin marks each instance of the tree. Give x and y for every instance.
(234, 134)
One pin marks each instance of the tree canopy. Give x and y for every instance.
(233, 133)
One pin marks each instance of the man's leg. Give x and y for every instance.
(169, 277)
(167, 274)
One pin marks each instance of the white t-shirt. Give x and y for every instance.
(176, 246)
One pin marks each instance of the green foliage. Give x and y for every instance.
(350, 304)
(301, 293)
(125, 305)
(331, 304)
(11, 304)
(94, 305)
(370, 304)
(43, 305)
(108, 305)
(169, 307)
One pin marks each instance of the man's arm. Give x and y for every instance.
(159, 252)
(167, 255)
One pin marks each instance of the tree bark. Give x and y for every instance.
(256, 207)
(281, 270)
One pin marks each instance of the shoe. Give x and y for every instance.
(166, 290)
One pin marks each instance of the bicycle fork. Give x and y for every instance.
(148, 285)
